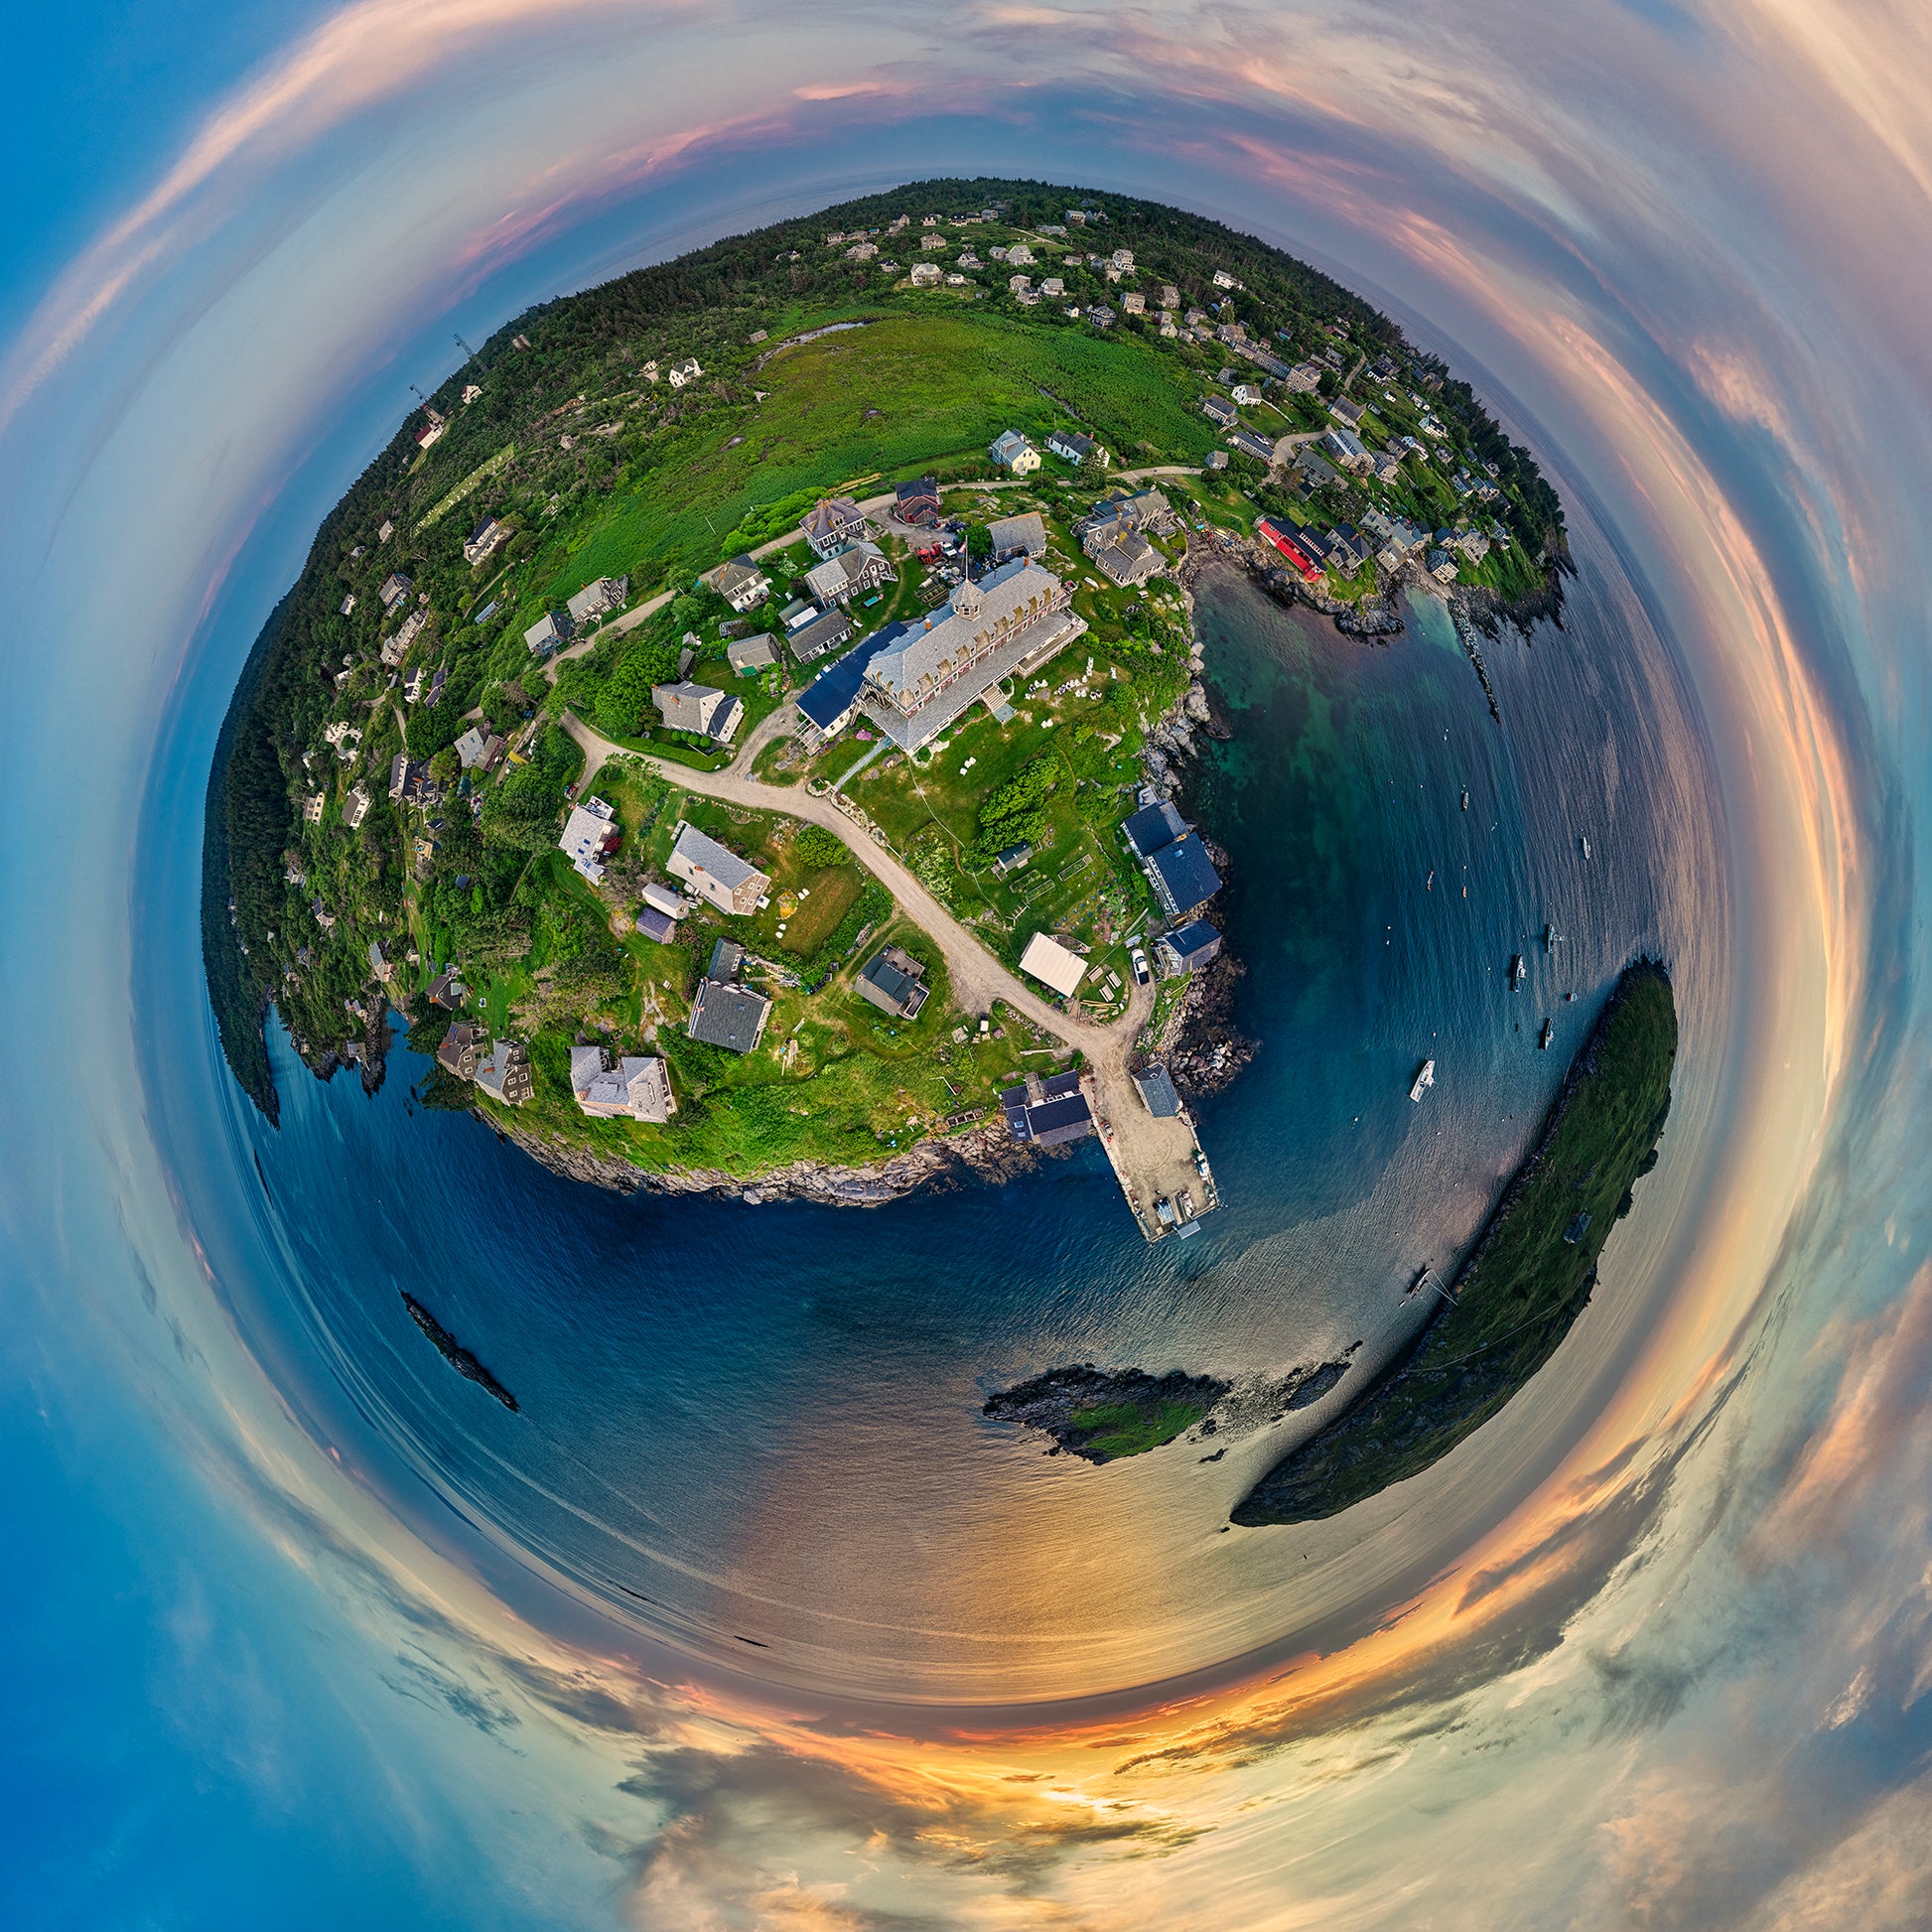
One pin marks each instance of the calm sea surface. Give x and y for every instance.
(760, 1427)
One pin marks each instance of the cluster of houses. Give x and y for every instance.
(849, 566)
(1391, 540)
(1016, 454)
(678, 374)
(1314, 552)
(724, 1012)
(502, 1069)
(1115, 536)
(594, 601)
(862, 247)
(1340, 449)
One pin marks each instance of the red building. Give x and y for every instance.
(917, 501)
(1273, 532)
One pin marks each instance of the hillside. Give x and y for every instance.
(645, 431)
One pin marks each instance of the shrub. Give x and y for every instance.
(819, 848)
(1016, 813)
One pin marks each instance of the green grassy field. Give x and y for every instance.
(905, 390)
(1116, 1429)
(1529, 1280)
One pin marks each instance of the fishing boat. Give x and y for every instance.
(1424, 1080)
(1465, 798)
(1547, 1034)
(1518, 971)
(1584, 843)
(1552, 938)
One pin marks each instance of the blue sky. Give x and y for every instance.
(102, 94)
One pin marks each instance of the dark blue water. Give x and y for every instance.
(764, 1422)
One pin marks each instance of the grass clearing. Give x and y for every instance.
(1126, 1428)
(905, 390)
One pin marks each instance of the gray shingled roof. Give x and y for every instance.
(723, 863)
(1158, 1090)
(728, 1016)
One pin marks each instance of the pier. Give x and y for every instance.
(1157, 1159)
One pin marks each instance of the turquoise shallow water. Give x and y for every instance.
(757, 1430)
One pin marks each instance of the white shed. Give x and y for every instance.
(1052, 964)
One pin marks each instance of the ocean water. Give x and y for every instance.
(756, 1432)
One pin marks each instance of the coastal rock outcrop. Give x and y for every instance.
(1101, 1415)
(987, 1153)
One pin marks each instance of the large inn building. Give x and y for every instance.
(926, 672)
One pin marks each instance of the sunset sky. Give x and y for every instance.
(259, 1673)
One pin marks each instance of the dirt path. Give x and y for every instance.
(977, 977)
(778, 724)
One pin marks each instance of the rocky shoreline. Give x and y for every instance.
(1199, 1044)
(987, 1153)
(1475, 610)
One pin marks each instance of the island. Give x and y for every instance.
(739, 725)
(1524, 1282)
(1103, 1414)
(1099, 1416)
(453, 1351)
